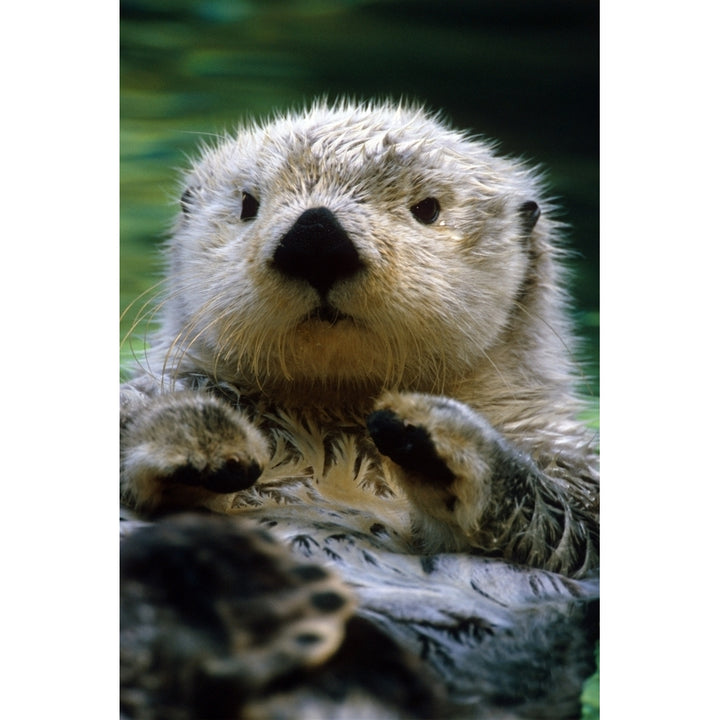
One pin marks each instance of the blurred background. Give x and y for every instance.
(525, 73)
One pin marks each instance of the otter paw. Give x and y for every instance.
(232, 476)
(409, 446)
(183, 449)
(444, 455)
(215, 613)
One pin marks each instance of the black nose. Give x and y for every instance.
(317, 249)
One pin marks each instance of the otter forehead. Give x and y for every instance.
(362, 135)
(359, 149)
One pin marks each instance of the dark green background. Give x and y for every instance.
(524, 73)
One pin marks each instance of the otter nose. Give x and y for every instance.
(317, 249)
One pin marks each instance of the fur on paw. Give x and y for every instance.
(444, 454)
(183, 449)
(221, 604)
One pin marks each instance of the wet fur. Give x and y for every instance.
(420, 403)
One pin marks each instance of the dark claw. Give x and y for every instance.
(410, 446)
(233, 476)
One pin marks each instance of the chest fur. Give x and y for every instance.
(325, 476)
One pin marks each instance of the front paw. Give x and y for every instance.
(444, 456)
(433, 438)
(408, 445)
(183, 449)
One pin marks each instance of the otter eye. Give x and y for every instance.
(426, 211)
(249, 206)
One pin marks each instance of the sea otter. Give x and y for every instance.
(364, 347)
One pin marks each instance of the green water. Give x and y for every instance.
(525, 73)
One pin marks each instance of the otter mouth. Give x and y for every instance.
(327, 314)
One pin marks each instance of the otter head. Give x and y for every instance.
(349, 249)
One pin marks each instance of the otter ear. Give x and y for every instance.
(529, 214)
(187, 198)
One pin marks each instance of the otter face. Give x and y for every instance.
(349, 246)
